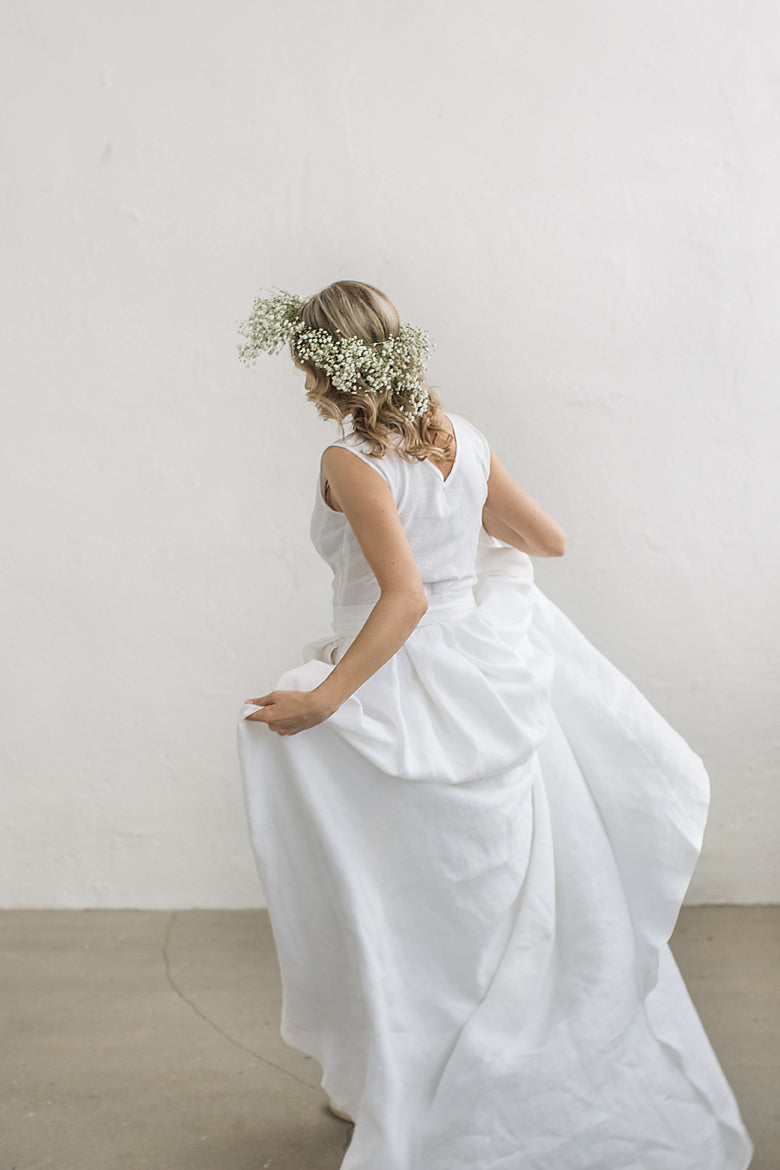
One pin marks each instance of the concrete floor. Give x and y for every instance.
(142, 1038)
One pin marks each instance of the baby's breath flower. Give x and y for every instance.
(398, 362)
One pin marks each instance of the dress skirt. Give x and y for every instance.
(472, 871)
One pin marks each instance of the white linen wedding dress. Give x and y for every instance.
(472, 869)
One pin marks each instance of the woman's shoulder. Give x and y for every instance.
(480, 442)
(461, 418)
(354, 440)
(360, 447)
(359, 444)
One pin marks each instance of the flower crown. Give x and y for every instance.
(398, 362)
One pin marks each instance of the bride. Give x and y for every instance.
(473, 832)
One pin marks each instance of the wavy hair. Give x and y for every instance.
(355, 309)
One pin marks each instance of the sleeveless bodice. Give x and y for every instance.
(441, 518)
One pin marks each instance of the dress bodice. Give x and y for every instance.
(441, 518)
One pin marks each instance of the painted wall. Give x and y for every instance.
(579, 201)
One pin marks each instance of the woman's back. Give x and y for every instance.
(441, 518)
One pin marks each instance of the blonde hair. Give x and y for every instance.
(355, 309)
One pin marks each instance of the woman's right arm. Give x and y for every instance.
(511, 515)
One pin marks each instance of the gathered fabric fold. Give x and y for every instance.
(472, 870)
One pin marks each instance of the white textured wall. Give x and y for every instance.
(578, 200)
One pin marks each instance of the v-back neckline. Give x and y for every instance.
(446, 479)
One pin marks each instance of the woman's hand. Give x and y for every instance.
(288, 712)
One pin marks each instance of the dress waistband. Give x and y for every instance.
(349, 619)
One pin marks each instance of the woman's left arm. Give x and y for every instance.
(365, 498)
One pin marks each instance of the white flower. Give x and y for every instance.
(398, 362)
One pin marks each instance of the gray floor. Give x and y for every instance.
(139, 1038)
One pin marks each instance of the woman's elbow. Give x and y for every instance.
(420, 604)
(557, 546)
(416, 605)
(410, 604)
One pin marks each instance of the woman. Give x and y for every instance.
(473, 832)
